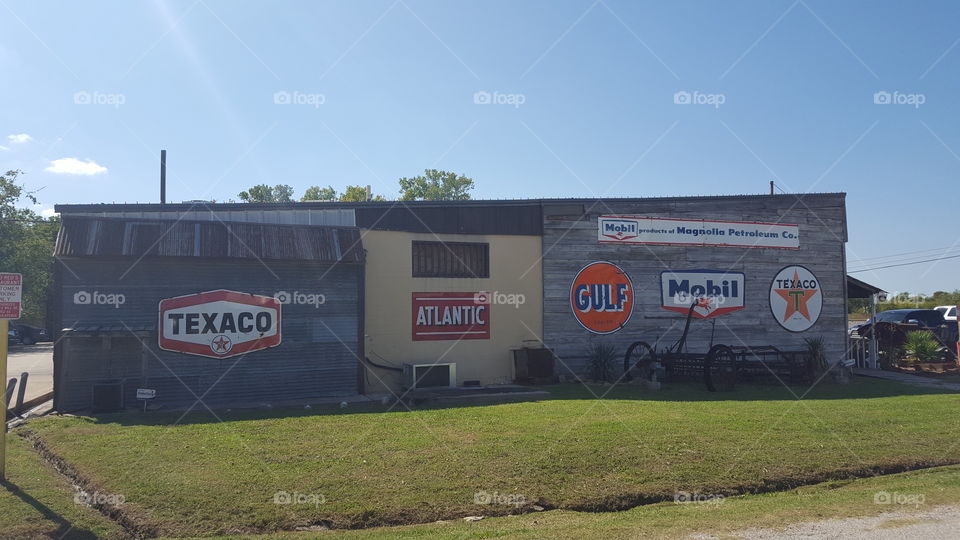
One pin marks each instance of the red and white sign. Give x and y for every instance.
(601, 297)
(450, 315)
(219, 324)
(11, 290)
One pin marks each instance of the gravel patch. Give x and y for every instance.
(942, 522)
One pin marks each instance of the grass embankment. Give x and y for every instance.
(721, 518)
(37, 502)
(359, 468)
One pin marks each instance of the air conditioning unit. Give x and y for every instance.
(416, 376)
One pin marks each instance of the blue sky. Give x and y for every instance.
(582, 103)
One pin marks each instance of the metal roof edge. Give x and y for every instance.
(332, 205)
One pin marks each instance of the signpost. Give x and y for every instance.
(11, 289)
(146, 394)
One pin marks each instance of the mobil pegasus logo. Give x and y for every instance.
(618, 228)
(712, 292)
(219, 324)
(601, 297)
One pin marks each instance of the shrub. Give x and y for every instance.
(921, 347)
(603, 358)
(817, 351)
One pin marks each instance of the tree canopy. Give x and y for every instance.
(26, 245)
(317, 193)
(436, 185)
(262, 193)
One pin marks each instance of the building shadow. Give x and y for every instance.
(684, 390)
(65, 530)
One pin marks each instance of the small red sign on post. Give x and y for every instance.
(11, 290)
(450, 316)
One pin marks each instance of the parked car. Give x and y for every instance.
(924, 318)
(28, 335)
(12, 338)
(949, 312)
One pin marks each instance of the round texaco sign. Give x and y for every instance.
(796, 298)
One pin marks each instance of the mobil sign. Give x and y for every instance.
(712, 292)
(219, 324)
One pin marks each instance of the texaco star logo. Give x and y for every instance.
(221, 344)
(796, 298)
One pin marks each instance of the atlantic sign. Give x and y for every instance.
(796, 298)
(601, 297)
(219, 324)
(712, 292)
(696, 232)
(450, 315)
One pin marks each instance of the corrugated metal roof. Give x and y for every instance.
(195, 206)
(84, 237)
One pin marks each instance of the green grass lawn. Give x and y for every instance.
(363, 467)
(36, 502)
(829, 500)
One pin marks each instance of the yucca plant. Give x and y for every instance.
(603, 358)
(921, 347)
(817, 351)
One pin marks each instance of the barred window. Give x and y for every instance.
(451, 259)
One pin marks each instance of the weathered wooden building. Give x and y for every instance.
(438, 293)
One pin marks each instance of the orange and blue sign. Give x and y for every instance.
(601, 297)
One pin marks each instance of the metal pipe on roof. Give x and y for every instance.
(163, 177)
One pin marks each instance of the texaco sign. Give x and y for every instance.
(219, 324)
(796, 298)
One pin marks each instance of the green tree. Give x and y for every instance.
(436, 185)
(317, 193)
(262, 193)
(358, 194)
(26, 245)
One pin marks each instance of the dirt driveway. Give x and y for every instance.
(938, 523)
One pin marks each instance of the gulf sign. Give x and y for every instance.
(450, 316)
(696, 232)
(219, 324)
(601, 297)
(712, 292)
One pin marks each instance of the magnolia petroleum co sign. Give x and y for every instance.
(711, 292)
(219, 324)
(796, 298)
(696, 232)
(601, 297)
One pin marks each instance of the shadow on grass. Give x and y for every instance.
(65, 529)
(680, 391)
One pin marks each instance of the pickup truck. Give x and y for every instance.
(949, 312)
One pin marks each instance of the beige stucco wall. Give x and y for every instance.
(514, 269)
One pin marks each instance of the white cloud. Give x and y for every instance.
(4, 147)
(75, 166)
(19, 138)
(48, 212)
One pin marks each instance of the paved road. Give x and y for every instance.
(37, 360)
